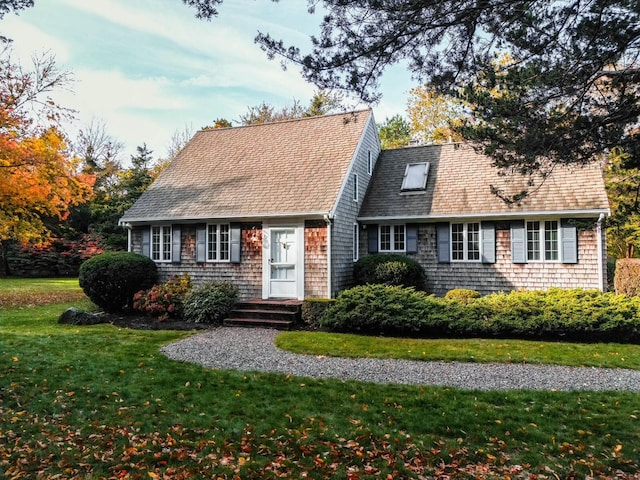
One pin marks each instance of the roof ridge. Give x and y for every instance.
(288, 120)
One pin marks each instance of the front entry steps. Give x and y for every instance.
(278, 314)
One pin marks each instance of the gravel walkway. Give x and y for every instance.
(254, 350)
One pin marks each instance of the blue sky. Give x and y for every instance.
(149, 68)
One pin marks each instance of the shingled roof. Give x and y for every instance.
(287, 168)
(458, 185)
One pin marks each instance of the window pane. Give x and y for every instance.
(398, 237)
(415, 176)
(473, 241)
(166, 243)
(385, 237)
(212, 242)
(551, 240)
(457, 241)
(224, 242)
(533, 240)
(155, 243)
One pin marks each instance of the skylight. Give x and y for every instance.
(415, 177)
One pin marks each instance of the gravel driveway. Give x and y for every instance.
(255, 350)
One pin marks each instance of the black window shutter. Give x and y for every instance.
(488, 238)
(176, 244)
(201, 242)
(443, 242)
(518, 242)
(236, 235)
(569, 236)
(146, 242)
(372, 238)
(412, 238)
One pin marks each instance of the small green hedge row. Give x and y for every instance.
(577, 315)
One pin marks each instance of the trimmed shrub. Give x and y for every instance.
(313, 309)
(389, 270)
(111, 279)
(379, 309)
(627, 277)
(576, 315)
(166, 300)
(462, 295)
(210, 303)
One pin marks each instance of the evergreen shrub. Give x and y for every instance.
(313, 309)
(210, 302)
(463, 295)
(573, 315)
(111, 279)
(389, 270)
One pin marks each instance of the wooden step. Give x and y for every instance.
(280, 314)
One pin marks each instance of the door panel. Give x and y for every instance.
(283, 263)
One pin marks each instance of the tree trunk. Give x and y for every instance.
(4, 259)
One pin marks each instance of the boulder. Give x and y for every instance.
(76, 316)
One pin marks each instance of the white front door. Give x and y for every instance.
(283, 275)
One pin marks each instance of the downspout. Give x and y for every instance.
(129, 240)
(327, 220)
(600, 255)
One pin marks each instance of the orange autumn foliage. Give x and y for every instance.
(38, 180)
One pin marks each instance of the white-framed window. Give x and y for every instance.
(218, 242)
(356, 242)
(369, 163)
(161, 243)
(465, 242)
(543, 241)
(355, 187)
(392, 238)
(415, 177)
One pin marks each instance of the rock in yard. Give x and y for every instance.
(76, 316)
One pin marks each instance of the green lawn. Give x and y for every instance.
(609, 355)
(101, 402)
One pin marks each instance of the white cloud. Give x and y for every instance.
(33, 40)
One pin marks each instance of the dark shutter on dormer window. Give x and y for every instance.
(176, 244)
(443, 242)
(201, 242)
(235, 236)
(569, 236)
(412, 238)
(372, 238)
(146, 242)
(518, 242)
(488, 238)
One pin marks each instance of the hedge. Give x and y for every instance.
(577, 315)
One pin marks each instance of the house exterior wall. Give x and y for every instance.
(347, 210)
(246, 275)
(504, 275)
(315, 259)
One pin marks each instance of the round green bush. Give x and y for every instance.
(210, 303)
(111, 279)
(462, 295)
(389, 270)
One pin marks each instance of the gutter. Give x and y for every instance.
(488, 215)
(601, 259)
